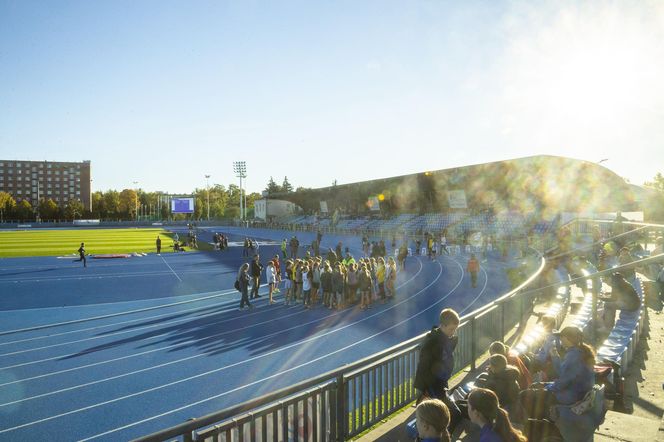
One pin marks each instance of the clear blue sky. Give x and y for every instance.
(164, 92)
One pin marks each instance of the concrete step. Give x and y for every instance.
(626, 427)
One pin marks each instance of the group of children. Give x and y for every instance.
(334, 283)
(220, 241)
(563, 368)
(436, 413)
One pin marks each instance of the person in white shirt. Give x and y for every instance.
(306, 286)
(271, 276)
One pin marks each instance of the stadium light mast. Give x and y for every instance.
(136, 200)
(207, 186)
(240, 169)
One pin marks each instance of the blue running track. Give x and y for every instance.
(126, 347)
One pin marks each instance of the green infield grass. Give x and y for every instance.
(60, 242)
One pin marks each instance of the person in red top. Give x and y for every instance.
(473, 268)
(525, 378)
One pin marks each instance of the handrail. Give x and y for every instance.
(329, 376)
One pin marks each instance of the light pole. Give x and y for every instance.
(240, 169)
(207, 186)
(136, 206)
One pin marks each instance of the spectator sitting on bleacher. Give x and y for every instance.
(623, 297)
(433, 418)
(513, 359)
(484, 411)
(502, 379)
(626, 257)
(576, 377)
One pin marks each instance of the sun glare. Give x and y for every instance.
(588, 71)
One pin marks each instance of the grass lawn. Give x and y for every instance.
(59, 242)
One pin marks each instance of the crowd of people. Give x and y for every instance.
(554, 382)
(332, 281)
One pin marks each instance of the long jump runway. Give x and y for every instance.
(127, 347)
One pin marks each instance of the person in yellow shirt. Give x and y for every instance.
(380, 278)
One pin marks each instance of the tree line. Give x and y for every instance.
(125, 204)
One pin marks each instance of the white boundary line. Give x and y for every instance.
(292, 368)
(252, 359)
(171, 268)
(151, 337)
(111, 315)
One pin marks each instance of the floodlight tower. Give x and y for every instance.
(207, 186)
(240, 169)
(136, 201)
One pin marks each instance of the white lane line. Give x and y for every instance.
(161, 348)
(46, 347)
(244, 361)
(111, 315)
(103, 276)
(486, 282)
(327, 355)
(97, 304)
(114, 324)
(176, 275)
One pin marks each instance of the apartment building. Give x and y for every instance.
(35, 180)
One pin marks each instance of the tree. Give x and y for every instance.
(24, 210)
(286, 187)
(272, 187)
(98, 206)
(48, 209)
(128, 203)
(7, 205)
(657, 183)
(74, 209)
(112, 203)
(654, 203)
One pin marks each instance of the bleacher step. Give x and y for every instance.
(626, 427)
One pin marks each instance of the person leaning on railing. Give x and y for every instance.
(436, 363)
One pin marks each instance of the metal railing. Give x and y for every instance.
(344, 402)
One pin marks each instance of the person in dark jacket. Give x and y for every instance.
(436, 362)
(326, 284)
(513, 359)
(81, 255)
(502, 379)
(623, 297)
(255, 269)
(331, 257)
(243, 280)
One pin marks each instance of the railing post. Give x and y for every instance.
(597, 284)
(473, 345)
(522, 310)
(340, 418)
(502, 320)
